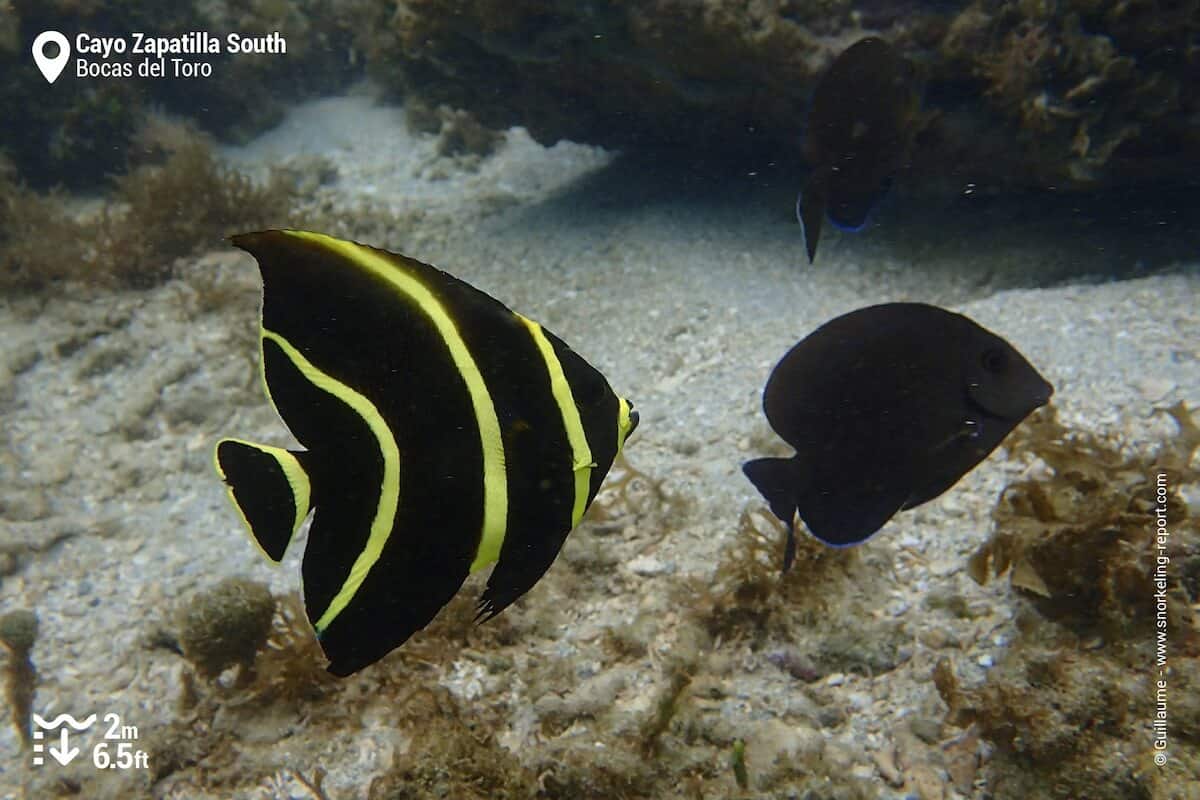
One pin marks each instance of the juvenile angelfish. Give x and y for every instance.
(859, 127)
(440, 432)
(886, 408)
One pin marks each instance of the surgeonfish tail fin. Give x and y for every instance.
(270, 489)
(775, 479)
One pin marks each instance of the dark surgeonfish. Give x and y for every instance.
(886, 408)
(441, 433)
(858, 132)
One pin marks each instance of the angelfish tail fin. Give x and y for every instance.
(775, 479)
(270, 488)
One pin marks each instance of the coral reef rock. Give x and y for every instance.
(1018, 93)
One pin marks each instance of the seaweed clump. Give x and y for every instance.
(290, 667)
(1057, 719)
(40, 241)
(749, 596)
(154, 215)
(1069, 723)
(163, 212)
(1083, 543)
(459, 132)
(238, 624)
(226, 626)
(18, 632)
(1096, 91)
(452, 753)
(1104, 547)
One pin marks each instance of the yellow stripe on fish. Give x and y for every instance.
(370, 357)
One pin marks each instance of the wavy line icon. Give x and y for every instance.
(68, 719)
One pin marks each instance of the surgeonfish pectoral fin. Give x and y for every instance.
(810, 209)
(270, 489)
(775, 479)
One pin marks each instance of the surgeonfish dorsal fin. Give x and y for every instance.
(270, 488)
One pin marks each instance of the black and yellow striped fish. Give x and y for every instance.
(442, 433)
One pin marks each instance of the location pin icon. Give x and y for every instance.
(51, 67)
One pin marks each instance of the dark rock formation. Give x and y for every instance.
(1018, 93)
(77, 133)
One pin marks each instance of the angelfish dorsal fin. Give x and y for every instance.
(270, 488)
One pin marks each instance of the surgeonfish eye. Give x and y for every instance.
(994, 360)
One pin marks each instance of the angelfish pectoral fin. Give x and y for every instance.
(775, 479)
(270, 488)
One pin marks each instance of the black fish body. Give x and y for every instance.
(858, 130)
(886, 408)
(441, 433)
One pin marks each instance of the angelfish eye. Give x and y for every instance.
(994, 360)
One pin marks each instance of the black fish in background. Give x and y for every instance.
(886, 407)
(858, 132)
(442, 433)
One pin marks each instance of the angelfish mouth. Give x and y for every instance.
(634, 419)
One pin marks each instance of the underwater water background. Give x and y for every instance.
(626, 174)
